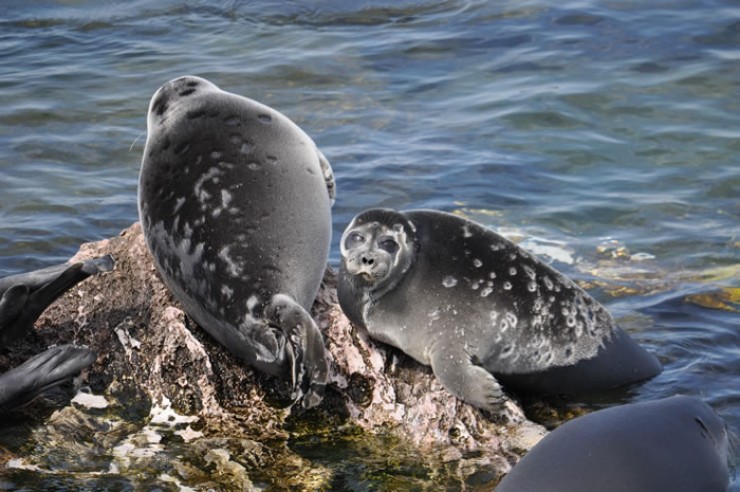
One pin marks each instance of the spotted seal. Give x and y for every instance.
(676, 443)
(23, 298)
(235, 204)
(479, 309)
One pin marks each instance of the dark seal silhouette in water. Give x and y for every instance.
(479, 309)
(676, 444)
(23, 298)
(235, 204)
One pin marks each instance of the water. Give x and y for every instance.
(605, 133)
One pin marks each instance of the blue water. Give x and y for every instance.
(606, 130)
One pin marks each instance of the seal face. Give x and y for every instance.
(677, 443)
(479, 309)
(235, 204)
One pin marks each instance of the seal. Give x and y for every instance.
(23, 298)
(479, 309)
(53, 367)
(235, 204)
(676, 443)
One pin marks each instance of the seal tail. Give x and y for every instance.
(51, 368)
(26, 296)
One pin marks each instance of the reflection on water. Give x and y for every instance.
(574, 124)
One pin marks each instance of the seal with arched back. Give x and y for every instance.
(235, 204)
(479, 309)
(674, 444)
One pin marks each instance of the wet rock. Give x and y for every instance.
(168, 389)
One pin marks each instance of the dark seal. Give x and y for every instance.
(479, 309)
(235, 203)
(678, 443)
(23, 298)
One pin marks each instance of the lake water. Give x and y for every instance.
(604, 135)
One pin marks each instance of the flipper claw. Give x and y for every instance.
(309, 368)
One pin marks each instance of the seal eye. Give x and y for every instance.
(388, 245)
(354, 239)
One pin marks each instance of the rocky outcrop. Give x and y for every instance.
(158, 374)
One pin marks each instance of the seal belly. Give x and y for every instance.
(619, 361)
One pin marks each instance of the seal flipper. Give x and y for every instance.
(331, 184)
(454, 368)
(37, 301)
(11, 307)
(309, 369)
(41, 288)
(53, 367)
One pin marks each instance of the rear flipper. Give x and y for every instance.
(306, 357)
(26, 296)
(57, 365)
(454, 368)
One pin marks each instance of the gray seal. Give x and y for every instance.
(23, 298)
(479, 309)
(677, 443)
(235, 204)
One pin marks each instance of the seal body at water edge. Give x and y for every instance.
(676, 444)
(479, 309)
(235, 204)
(23, 298)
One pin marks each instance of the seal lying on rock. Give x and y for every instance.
(235, 203)
(676, 444)
(23, 298)
(479, 309)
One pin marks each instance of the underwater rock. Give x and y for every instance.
(153, 360)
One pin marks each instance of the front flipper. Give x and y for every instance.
(42, 372)
(309, 369)
(33, 292)
(454, 368)
(11, 308)
(331, 185)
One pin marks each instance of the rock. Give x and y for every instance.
(172, 391)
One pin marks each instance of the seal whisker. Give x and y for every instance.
(136, 140)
